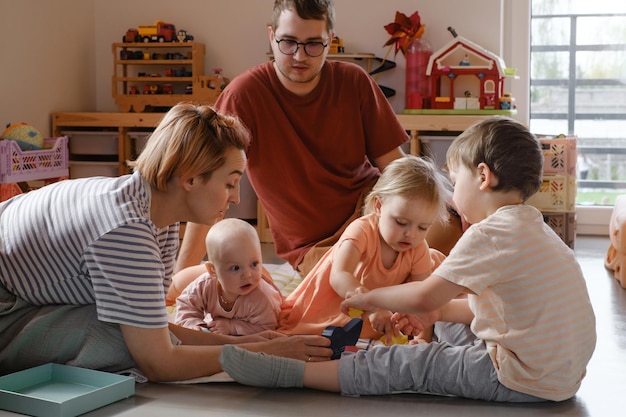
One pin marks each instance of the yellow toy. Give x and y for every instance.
(399, 339)
(27, 137)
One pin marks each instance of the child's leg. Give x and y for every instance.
(436, 368)
(323, 376)
(263, 370)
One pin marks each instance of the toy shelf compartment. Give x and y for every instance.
(21, 166)
(173, 72)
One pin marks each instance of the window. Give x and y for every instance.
(578, 86)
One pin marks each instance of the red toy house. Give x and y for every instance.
(466, 76)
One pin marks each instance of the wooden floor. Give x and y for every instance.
(603, 392)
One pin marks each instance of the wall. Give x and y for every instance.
(61, 59)
(48, 60)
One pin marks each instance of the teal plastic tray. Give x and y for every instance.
(53, 390)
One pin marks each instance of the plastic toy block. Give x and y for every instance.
(399, 339)
(560, 154)
(557, 193)
(340, 337)
(564, 225)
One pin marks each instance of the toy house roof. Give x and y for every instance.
(459, 48)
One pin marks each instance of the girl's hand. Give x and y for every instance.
(381, 323)
(411, 324)
(357, 299)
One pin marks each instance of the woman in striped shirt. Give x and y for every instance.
(85, 264)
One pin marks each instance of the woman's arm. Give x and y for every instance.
(162, 361)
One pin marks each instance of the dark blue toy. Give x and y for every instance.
(340, 337)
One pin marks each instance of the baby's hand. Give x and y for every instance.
(219, 326)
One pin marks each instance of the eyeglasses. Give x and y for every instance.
(290, 47)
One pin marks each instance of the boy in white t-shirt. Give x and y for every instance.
(524, 333)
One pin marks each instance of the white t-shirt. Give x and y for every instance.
(530, 301)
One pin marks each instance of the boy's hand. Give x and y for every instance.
(357, 299)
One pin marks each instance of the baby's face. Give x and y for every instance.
(239, 269)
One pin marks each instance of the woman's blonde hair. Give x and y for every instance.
(190, 140)
(412, 177)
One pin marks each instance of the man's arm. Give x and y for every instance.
(192, 249)
(382, 161)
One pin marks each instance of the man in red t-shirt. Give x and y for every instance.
(321, 132)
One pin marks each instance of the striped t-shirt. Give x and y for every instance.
(89, 241)
(530, 301)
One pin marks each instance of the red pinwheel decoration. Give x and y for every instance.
(404, 30)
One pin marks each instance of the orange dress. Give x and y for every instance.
(314, 304)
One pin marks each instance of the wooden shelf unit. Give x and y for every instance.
(122, 123)
(186, 58)
(125, 122)
(414, 124)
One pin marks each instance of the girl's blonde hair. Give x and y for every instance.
(190, 140)
(412, 177)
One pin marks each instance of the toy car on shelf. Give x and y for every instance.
(158, 32)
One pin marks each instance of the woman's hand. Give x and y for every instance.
(306, 348)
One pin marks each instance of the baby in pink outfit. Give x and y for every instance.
(234, 296)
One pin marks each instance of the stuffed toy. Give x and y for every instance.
(616, 255)
(27, 137)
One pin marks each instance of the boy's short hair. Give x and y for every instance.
(306, 9)
(190, 140)
(509, 149)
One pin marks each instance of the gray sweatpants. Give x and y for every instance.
(64, 334)
(457, 364)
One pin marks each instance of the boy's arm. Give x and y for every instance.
(457, 311)
(411, 298)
